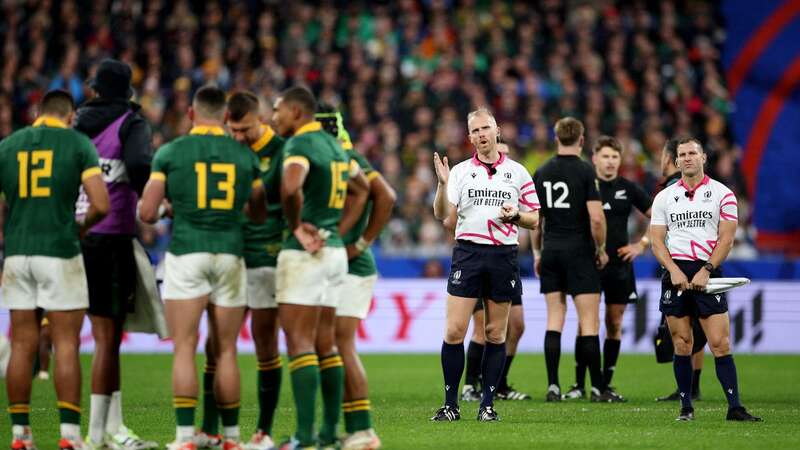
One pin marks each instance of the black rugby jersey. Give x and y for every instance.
(564, 184)
(619, 197)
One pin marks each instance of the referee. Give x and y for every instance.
(692, 228)
(488, 197)
(572, 249)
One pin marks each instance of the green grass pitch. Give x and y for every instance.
(406, 390)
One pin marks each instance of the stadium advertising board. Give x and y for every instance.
(407, 315)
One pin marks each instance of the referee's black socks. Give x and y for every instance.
(552, 354)
(494, 358)
(474, 358)
(452, 368)
(590, 353)
(726, 373)
(682, 365)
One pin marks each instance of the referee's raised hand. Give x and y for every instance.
(442, 168)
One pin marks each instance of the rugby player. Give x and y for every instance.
(618, 282)
(491, 196)
(122, 138)
(208, 177)
(569, 252)
(262, 242)
(692, 229)
(355, 297)
(669, 156)
(312, 263)
(41, 170)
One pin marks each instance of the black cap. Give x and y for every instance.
(113, 79)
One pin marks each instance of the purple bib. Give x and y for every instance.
(121, 218)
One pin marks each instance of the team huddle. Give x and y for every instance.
(581, 247)
(257, 212)
(277, 220)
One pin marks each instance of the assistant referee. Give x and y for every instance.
(489, 197)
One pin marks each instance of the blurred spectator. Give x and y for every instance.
(405, 74)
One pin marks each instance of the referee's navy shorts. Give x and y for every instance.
(484, 271)
(690, 303)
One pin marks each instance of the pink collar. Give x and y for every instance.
(477, 162)
(691, 192)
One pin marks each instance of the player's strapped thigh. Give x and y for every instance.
(355, 296)
(517, 300)
(261, 288)
(111, 274)
(305, 279)
(50, 283)
(618, 283)
(220, 275)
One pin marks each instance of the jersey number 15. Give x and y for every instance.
(338, 185)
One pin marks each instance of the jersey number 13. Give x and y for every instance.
(225, 185)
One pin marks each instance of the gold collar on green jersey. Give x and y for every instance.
(267, 135)
(205, 129)
(308, 128)
(49, 121)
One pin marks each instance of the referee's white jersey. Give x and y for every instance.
(479, 191)
(692, 217)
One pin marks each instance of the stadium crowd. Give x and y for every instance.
(405, 73)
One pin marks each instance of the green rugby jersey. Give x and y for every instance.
(208, 177)
(364, 264)
(263, 242)
(325, 187)
(41, 170)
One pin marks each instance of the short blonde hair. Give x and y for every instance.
(568, 130)
(482, 110)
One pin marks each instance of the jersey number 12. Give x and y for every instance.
(26, 161)
(557, 186)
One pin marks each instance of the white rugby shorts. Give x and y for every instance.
(312, 280)
(261, 288)
(221, 276)
(54, 284)
(355, 296)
